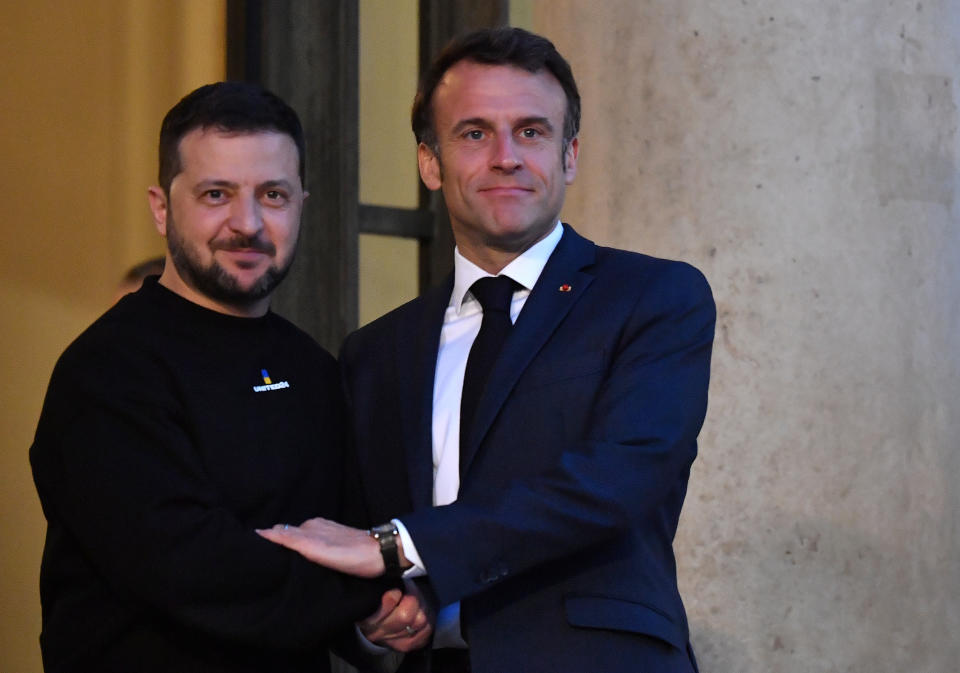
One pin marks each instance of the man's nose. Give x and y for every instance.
(245, 216)
(506, 156)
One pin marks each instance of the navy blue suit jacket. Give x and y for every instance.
(560, 544)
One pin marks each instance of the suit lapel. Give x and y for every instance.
(559, 287)
(416, 347)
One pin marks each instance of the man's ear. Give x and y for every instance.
(429, 164)
(570, 160)
(158, 207)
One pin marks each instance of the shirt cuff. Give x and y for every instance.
(369, 647)
(410, 552)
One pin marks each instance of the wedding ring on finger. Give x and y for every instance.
(410, 630)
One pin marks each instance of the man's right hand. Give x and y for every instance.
(404, 621)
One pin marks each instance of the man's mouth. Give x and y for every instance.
(506, 190)
(244, 246)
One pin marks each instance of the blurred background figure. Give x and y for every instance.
(133, 279)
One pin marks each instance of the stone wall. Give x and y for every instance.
(803, 155)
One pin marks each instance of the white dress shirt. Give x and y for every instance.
(461, 323)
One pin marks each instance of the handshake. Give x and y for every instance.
(403, 622)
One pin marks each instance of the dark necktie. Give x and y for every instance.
(494, 295)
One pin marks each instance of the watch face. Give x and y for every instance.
(384, 529)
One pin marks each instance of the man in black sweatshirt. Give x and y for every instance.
(189, 415)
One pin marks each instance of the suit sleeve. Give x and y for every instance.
(633, 458)
(120, 480)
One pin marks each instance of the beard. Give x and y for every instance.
(213, 280)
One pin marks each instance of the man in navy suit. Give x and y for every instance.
(544, 528)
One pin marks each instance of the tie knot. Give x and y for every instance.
(494, 293)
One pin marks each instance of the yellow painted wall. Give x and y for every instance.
(85, 86)
(388, 160)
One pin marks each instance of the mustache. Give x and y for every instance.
(241, 242)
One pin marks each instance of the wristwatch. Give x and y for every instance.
(388, 535)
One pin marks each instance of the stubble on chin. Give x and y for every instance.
(215, 282)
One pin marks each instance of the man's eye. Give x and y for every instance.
(475, 134)
(214, 193)
(274, 195)
(530, 133)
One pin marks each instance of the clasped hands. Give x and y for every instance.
(404, 621)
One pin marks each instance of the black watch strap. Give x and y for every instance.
(388, 535)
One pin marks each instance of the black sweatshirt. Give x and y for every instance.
(168, 434)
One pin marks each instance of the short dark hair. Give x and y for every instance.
(496, 46)
(232, 107)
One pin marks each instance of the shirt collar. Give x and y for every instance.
(525, 269)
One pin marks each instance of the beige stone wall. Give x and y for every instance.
(803, 155)
(85, 85)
